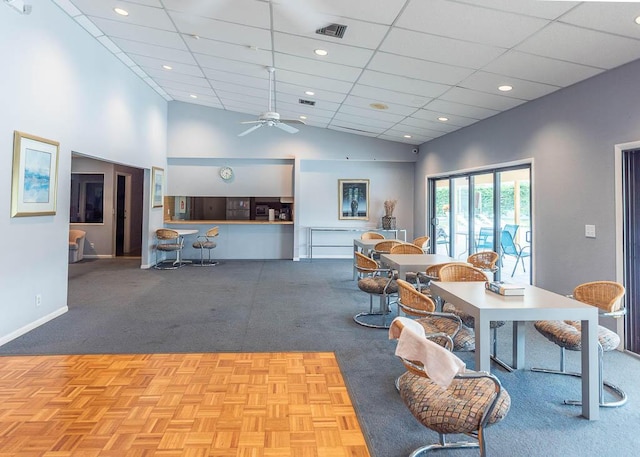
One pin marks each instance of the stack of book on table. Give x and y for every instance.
(505, 289)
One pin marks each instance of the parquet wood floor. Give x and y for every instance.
(192, 405)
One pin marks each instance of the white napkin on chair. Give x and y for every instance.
(440, 365)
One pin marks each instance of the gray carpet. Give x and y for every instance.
(266, 306)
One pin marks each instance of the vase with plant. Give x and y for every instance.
(388, 221)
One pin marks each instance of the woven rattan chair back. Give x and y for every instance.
(433, 271)
(405, 248)
(606, 295)
(365, 265)
(214, 231)
(166, 234)
(384, 247)
(461, 272)
(422, 242)
(372, 236)
(485, 260)
(413, 302)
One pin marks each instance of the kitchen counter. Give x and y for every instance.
(227, 222)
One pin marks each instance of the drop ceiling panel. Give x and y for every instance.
(432, 116)
(600, 16)
(319, 95)
(177, 67)
(414, 130)
(249, 12)
(161, 75)
(337, 53)
(402, 84)
(388, 96)
(582, 46)
(541, 69)
(316, 67)
(139, 33)
(418, 69)
(230, 51)
(524, 90)
(392, 108)
(320, 104)
(235, 78)
(347, 122)
(448, 107)
(439, 49)
(172, 86)
(469, 23)
(222, 31)
(481, 99)
(363, 122)
(370, 113)
(428, 123)
(314, 82)
(235, 66)
(377, 11)
(541, 9)
(157, 52)
(154, 17)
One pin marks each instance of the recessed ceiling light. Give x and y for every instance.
(637, 20)
(194, 36)
(167, 67)
(320, 52)
(193, 96)
(505, 88)
(407, 136)
(309, 92)
(378, 106)
(443, 119)
(121, 12)
(303, 117)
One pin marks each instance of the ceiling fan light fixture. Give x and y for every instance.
(121, 11)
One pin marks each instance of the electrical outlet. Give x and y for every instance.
(590, 231)
(38, 300)
(93, 246)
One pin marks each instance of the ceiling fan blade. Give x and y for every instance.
(252, 122)
(250, 129)
(292, 121)
(285, 127)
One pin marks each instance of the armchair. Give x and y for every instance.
(76, 245)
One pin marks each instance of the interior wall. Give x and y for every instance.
(61, 84)
(570, 136)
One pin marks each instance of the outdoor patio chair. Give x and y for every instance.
(510, 248)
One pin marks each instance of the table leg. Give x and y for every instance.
(518, 344)
(590, 381)
(483, 344)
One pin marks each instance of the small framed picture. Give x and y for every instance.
(34, 175)
(157, 187)
(353, 199)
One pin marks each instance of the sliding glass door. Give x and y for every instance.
(488, 210)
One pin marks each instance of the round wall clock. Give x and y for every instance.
(226, 173)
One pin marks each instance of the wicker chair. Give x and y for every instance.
(607, 296)
(423, 242)
(468, 405)
(485, 260)
(405, 248)
(446, 328)
(418, 279)
(207, 242)
(372, 236)
(168, 241)
(375, 280)
(383, 247)
(463, 272)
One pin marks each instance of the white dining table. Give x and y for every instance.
(404, 263)
(536, 304)
(183, 233)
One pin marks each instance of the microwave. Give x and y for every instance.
(262, 211)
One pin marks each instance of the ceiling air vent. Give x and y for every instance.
(334, 30)
(302, 101)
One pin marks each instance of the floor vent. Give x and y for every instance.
(302, 101)
(334, 30)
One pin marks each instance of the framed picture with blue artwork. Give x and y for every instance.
(157, 187)
(34, 180)
(353, 199)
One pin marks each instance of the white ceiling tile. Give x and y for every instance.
(448, 107)
(299, 91)
(160, 75)
(384, 95)
(402, 84)
(541, 69)
(337, 53)
(413, 141)
(418, 69)
(154, 17)
(431, 117)
(235, 78)
(177, 67)
(254, 13)
(542, 9)
(351, 129)
(234, 66)
(378, 11)
(222, 31)
(489, 82)
(229, 51)
(618, 19)
(439, 49)
(427, 124)
(365, 103)
(468, 22)
(351, 123)
(364, 122)
(481, 99)
(370, 113)
(578, 45)
(316, 67)
(139, 33)
(320, 104)
(158, 52)
(406, 128)
(312, 81)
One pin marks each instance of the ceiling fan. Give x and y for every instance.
(271, 118)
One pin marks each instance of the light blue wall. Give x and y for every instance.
(570, 137)
(61, 84)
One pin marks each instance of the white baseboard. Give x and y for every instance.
(98, 256)
(33, 325)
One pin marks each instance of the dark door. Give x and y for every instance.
(120, 213)
(631, 172)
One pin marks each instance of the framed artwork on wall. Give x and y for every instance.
(353, 199)
(34, 179)
(157, 187)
